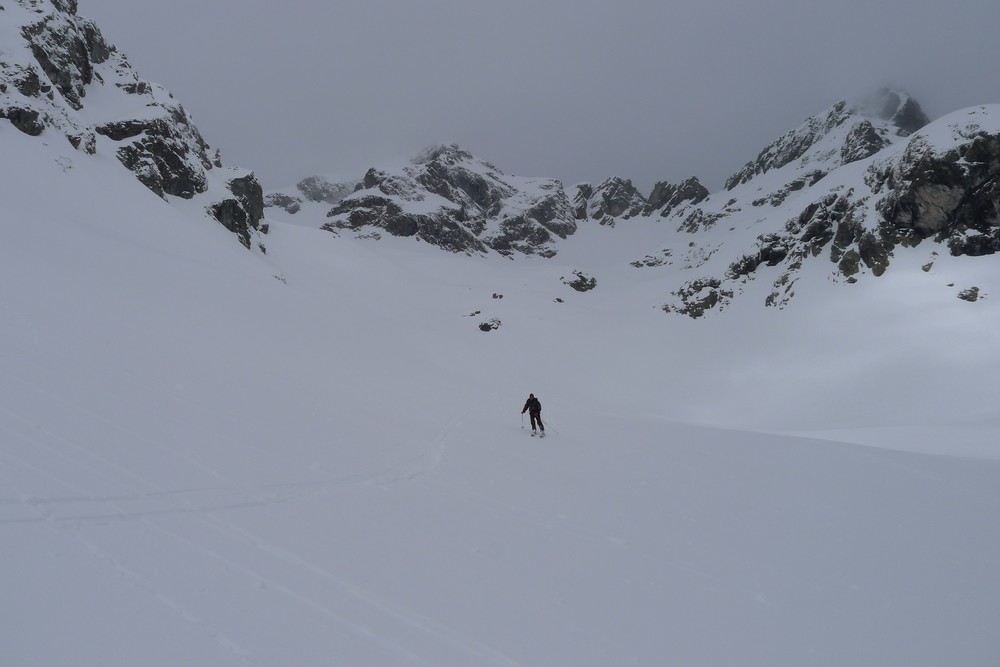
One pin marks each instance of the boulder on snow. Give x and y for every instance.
(581, 282)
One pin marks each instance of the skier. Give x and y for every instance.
(534, 409)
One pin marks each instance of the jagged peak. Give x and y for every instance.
(895, 106)
(44, 87)
(448, 153)
(845, 132)
(615, 197)
(666, 197)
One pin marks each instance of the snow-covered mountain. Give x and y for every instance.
(61, 81)
(855, 185)
(314, 455)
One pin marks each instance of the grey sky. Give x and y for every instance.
(572, 89)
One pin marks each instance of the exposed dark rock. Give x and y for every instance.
(698, 221)
(27, 81)
(242, 213)
(64, 57)
(850, 263)
(522, 234)
(792, 145)
(584, 191)
(26, 120)
(162, 158)
(290, 204)
(778, 198)
(971, 294)
(905, 114)
(862, 142)
(615, 198)
(848, 233)
(318, 189)
(654, 260)
(551, 212)
(368, 210)
(135, 87)
(373, 177)
(67, 50)
(953, 197)
(581, 283)
(491, 325)
(666, 197)
(86, 142)
(875, 252)
(379, 211)
(772, 249)
(459, 198)
(699, 296)
(448, 179)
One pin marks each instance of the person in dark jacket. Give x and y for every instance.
(534, 409)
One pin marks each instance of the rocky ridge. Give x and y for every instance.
(451, 199)
(851, 184)
(54, 63)
(940, 184)
(319, 190)
(447, 197)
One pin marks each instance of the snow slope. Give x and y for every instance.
(215, 457)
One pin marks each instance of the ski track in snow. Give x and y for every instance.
(202, 505)
(215, 498)
(73, 527)
(18, 336)
(285, 558)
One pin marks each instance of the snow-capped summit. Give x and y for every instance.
(60, 77)
(614, 198)
(851, 191)
(849, 186)
(449, 198)
(844, 133)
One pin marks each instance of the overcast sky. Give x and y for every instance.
(571, 89)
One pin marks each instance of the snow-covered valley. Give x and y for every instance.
(315, 456)
(235, 440)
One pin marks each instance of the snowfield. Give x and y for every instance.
(210, 456)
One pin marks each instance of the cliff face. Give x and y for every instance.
(849, 187)
(940, 184)
(447, 197)
(860, 130)
(59, 76)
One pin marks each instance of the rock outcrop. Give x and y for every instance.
(450, 199)
(854, 197)
(613, 199)
(948, 191)
(667, 197)
(847, 125)
(44, 86)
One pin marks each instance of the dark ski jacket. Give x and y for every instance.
(533, 405)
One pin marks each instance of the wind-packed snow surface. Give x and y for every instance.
(315, 456)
